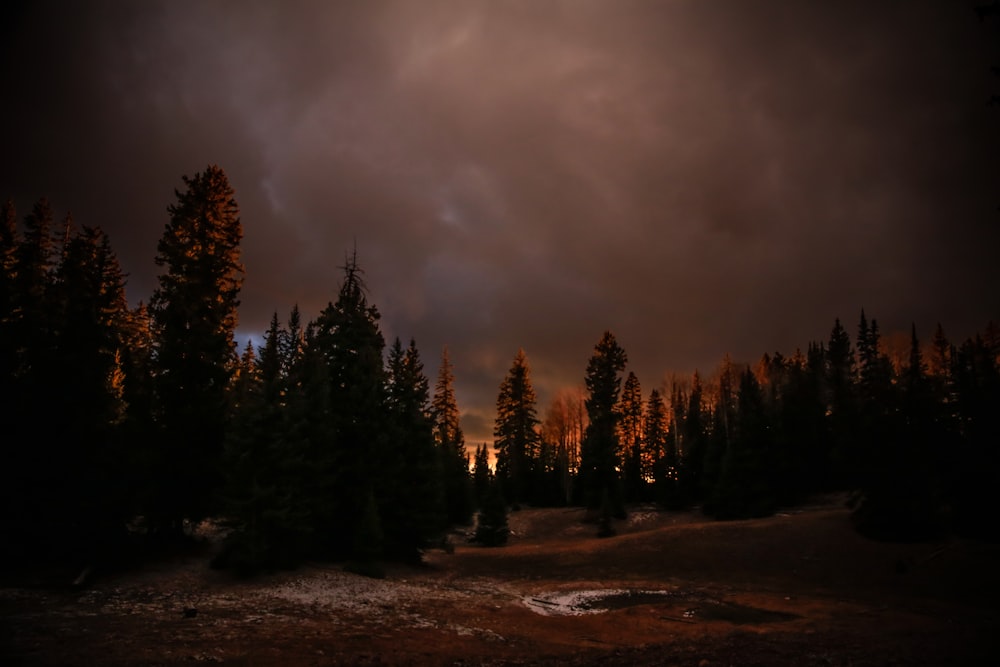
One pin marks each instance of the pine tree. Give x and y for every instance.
(903, 492)
(291, 346)
(746, 483)
(194, 311)
(867, 346)
(840, 374)
(492, 529)
(631, 439)
(93, 318)
(874, 410)
(348, 436)
(246, 548)
(482, 475)
(940, 369)
(409, 484)
(451, 446)
(800, 430)
(820, 453)
(309, 433)
(655, 435)
(598, 457)
(86, 392)
(516, 433)
(66, 325)
(32, 320)
(874, 370)
(139, 432)
(721, 434)
(263, 467)
(668, 479)
(976, 475)
(694, 434)
(34, 261)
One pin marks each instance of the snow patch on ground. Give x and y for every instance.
(383, 601)
(346, 592)
(597, 601)
(643, 514)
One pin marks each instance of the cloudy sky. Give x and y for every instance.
(699, 177)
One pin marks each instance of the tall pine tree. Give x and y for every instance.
(482, 476)
(264, 467)
(842, 407)
(451, 446)
(746, 483)
(631, 439)
(656, 436)
(409, 482)
(87, 395)
(349, 437)
(194, 312)
(598, 457)
(694, 434)
(516, 434)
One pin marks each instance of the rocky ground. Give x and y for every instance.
(799, 588)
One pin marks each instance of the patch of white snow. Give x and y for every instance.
(577, 603)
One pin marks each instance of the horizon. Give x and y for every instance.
(700, 179)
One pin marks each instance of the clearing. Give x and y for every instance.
(798, 588)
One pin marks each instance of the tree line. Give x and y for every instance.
(122, 421)
(914, 439)
(326, 442)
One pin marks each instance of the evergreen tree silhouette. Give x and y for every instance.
(800, 425)
(655, 435)
(842, 407)
(451, 446)
(516, 435)
(721, 435)
(676, 445)
(977, 471)
(746, 485)
(349, 437)
(482, 475)
(694, 434)
(903, 492)
(409, 482)
(631, 439)
(194, 311)
(262, 496)
(492, 529)
(25, 279)
(598, 456)
(66, 497)
(86, 383)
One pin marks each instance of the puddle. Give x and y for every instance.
(696, 608)
(576, 603)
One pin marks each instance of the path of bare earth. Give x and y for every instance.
(799, 588)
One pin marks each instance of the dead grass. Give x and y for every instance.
(800, 588)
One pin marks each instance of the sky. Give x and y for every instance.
(700, 177)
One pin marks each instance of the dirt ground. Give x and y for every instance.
(799, 588)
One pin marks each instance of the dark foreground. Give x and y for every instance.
(800, 588)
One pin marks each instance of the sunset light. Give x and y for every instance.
(586, 332)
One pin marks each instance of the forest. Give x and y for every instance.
(126, 425)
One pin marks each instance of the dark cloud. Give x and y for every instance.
(700, 178)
